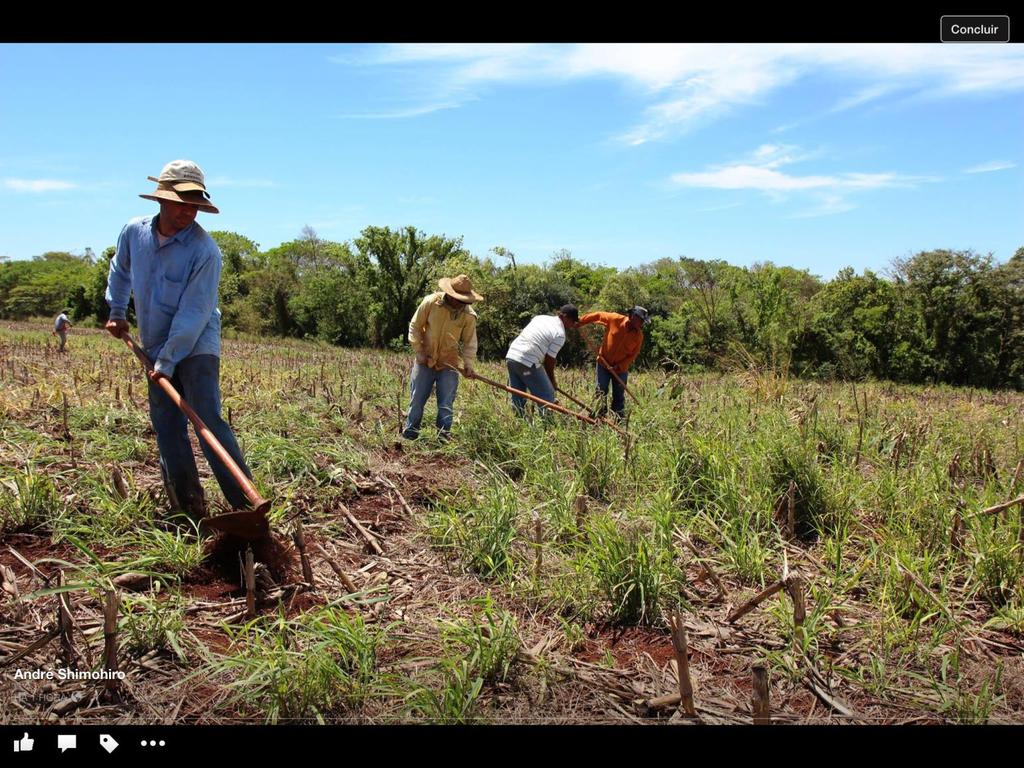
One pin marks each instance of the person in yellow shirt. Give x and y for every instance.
(443, 322)
(622, 342)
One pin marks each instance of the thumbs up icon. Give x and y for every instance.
(24, 744)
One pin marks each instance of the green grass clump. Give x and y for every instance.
(482, 530)
(487, 640)
(152, 624)
(795, 461)
(632, 573)
(319, 666)
(28, 501)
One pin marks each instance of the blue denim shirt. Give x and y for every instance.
(175, 287)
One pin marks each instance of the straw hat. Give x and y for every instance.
(459, 288)
(182, 181)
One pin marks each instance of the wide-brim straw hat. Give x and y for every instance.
(182, 181)
(460, 288)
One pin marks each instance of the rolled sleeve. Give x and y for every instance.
(555, 346)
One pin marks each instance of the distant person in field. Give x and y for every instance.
(172, 266)
(444, 322)
(622, 342)
(531, 356)
(60, 327)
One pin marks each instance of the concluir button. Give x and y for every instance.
(974, 29)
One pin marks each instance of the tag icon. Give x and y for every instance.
(108, 743)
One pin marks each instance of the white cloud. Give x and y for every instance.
(38, 185)
(751, 177)
(400, 114)
(759, 172)
(994, 165)
(863, 96)
(688, 84)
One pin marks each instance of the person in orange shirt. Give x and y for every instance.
(622, 342)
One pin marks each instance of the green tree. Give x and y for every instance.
(401, 263)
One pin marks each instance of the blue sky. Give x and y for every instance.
(813, 156)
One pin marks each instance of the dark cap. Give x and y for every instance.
(642, 313)
(570, 311)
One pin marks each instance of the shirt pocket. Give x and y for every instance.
(168, 293)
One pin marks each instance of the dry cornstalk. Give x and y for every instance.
(9, 581)
(759, 696)
(31, 566)
(580, 505)
(120, 487)
(250, 584)
(795, 589)
(300, 544)
(1001, 507)
(64, 415)
(398, 493)
(365, 533)
(110, 609)
(349, 585)
(64, 623)
(680, 646)
(32, 647)
(756, 600)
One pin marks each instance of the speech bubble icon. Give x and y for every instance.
(66, 741)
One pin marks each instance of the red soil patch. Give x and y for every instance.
(378, 512)
(214, 639)
(205, 583)
(34, 547)
(223, 553)
(302, 602)
(628, 644)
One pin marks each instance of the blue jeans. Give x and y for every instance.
(421, 383)
(197, 380)
(604, 378)
(532, 380)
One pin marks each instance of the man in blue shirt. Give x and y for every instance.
(172, 266)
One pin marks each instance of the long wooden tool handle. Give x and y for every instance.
(527, 395)
(601, 360)
(580, 403)
(204, 432)
(607, 421)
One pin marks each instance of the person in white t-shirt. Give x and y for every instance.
(531, 357)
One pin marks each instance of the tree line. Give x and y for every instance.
(940, 316)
